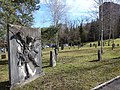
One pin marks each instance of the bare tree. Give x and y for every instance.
(99, 3)
(57, 10)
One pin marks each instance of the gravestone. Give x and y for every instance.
(99, 55)
(90, 44)
(98, 42)
(62, 47)
(56, 54)
(3, 56)
(95, 45)
(118, 45)
(113, 46)
(52, 59)
(24, 54)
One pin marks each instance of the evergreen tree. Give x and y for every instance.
(81, 33)
(48, 34)
(18, 12)
(93, 33)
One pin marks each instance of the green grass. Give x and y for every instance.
(3, 74)
(77, 69)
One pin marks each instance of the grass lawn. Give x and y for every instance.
(77, 69)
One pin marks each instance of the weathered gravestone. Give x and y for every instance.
(99, 55)
(62, 46)
(24, 54)
(118, 45)
(90, 45)
(52, 59)
(56, 54)
(95, 45)
(113, 46)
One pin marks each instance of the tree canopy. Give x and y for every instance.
(20, 13)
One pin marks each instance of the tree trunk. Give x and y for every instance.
(109, 36)
(57, 41)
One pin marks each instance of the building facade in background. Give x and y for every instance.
(109, 14)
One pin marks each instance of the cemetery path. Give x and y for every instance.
(113, 84)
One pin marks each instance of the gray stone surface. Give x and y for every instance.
(56, 54)
(24, 54)
(52, 59)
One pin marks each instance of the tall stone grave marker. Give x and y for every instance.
(24, 54)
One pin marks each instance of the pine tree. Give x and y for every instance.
(18, 12)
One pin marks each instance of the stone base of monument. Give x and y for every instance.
(25, 82)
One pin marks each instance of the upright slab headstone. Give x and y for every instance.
(62, 47)
(118, 45)
(99, 55)
(24, 54)
(113, 46)
(52, 59)
(56, 54)
(90, 44)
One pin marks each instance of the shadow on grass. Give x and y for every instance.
(117, 58)
(4, 85)
(85, 69)
(70, 51)
(77, 50)
(94, 61)
(46, 66)
(3, 62)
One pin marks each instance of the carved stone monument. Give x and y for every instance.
(24, 54)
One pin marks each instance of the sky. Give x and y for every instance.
(77, 9)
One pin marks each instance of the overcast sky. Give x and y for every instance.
(77, 9)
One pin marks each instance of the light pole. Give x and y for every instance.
(100, 51)
(101, 41)
(102, 26)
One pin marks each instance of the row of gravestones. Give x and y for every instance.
(95, 45)
(79, 46)
(100, 52)
(69, 46)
